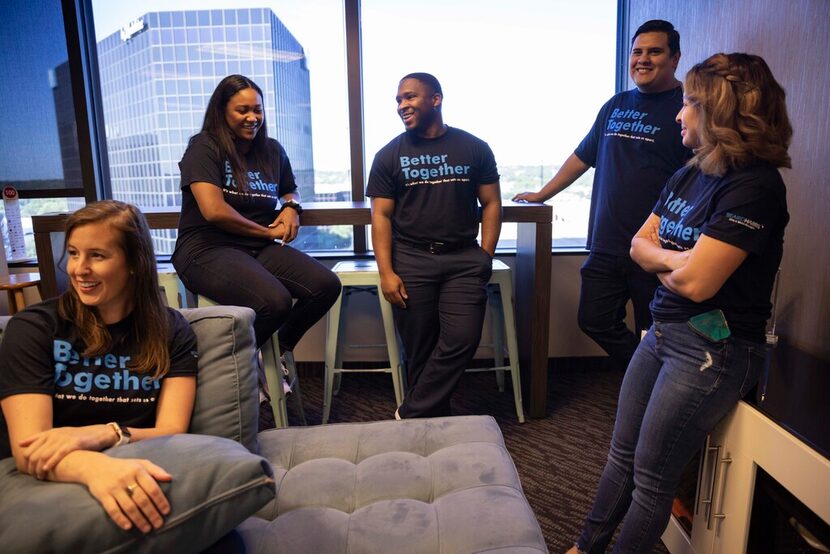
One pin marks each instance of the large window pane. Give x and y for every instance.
(159, 62)
(38, 135)
(29, 207)
(526, 76)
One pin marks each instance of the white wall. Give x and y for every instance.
(363, 321)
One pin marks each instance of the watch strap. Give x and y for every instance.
(293, 204)
(123, 438)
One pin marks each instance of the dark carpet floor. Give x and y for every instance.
(559, 458)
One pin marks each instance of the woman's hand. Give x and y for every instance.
(42, 451)
(129, 491)
(651, 232)
(706, 268)
(678, 260)
(217, 212)
(286, 225)
(648, 252)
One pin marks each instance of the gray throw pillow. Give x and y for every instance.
(226, 398)
(216, 484)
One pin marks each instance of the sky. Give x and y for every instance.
(527, 76)
(29, 146)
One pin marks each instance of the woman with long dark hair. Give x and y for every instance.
(104, 364)
(714, 239)
(238, 199)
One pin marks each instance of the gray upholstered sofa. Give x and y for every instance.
(444, 485)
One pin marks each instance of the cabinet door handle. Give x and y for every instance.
(720, 516)
(706, 478)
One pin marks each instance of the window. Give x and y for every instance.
(38, 136)
(160, 63)
(528, 79)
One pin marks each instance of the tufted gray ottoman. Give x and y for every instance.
(444, 485)
(424, 486)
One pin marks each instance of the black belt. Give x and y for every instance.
(438, 247)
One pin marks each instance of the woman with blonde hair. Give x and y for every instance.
(714, 240)
(104, 364)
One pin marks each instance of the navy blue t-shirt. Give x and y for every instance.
(635, 146)
(434, 183)
(43, 354)
(203, 162)
(746, 208)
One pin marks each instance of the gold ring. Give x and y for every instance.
(131, 489)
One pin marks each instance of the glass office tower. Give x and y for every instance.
(157, 75)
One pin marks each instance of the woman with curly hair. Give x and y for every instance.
(714, 240)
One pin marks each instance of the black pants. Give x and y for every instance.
(441, 324)
(608, 282)
(266, 280)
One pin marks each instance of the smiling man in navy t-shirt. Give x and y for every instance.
(635, 146)
(426, 185)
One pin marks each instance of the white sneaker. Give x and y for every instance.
(286, 386)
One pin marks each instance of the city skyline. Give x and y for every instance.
(528, 79)
(529, 116)
(158, 73)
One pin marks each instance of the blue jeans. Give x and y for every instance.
(608, 281)
(677, 388)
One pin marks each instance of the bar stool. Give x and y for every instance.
(355, 275)
(503, 321)
(178, 296)
(274, 375)
(14, 285)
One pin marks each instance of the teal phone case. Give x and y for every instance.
(711, 325)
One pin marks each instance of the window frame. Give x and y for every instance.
(85, 79)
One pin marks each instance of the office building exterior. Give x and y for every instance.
(157, 75)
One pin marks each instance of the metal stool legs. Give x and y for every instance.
(503, 322)
(504, 325)
(174, 291)
(355, 274)
(274, 376)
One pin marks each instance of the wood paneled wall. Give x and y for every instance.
(793, 36)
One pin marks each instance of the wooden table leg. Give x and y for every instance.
(46, 264)
(19, 301)
(533, 260)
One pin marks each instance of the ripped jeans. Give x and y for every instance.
(677, 388)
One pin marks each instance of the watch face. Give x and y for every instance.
(126, 431)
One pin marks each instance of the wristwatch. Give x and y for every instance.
(293, 204)
(123, 433)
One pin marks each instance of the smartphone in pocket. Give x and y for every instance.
(711, 324)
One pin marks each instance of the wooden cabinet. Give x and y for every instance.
(745, 440)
